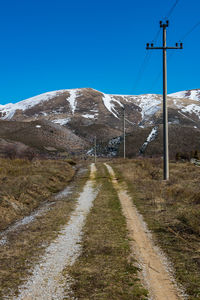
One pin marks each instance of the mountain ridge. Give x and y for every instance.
(59, 106)
(86, 112)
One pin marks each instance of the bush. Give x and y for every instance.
(182, 156)
(18, 150)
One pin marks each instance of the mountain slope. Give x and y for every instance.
(43, 136)
(86, 112)
(189, 94)
(182, 139)
(93, 106)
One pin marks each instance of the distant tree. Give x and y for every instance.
(18, 150)
(10, 151)
(185, 156)
(182, 156)
(192, 154)
(178, 156)
(196, 155)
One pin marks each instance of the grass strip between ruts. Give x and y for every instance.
(105, 268)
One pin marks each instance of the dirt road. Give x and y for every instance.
(155, 273)
(47, 281)
(49, 277)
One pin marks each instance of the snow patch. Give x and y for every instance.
(38, 126)
(151, 137)
(90, 152)
(115, 141)
(186, 116)
(61, 121)
(88, 116)
(10, 109)
(108, 102)
(190, 94)
(72, 99)
(149, 104)
(192, 108)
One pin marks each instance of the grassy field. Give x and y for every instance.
(28, 244)
(105, 269)
(24, 185)
(172, 211)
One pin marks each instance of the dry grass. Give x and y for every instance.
(24, 184)
(105, 270)
(27, 245)
(172, 211)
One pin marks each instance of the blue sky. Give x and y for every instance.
(50, 45)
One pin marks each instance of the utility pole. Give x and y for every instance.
(95, 149)
(124, 132)
(165, 113)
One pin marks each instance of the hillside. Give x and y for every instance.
(71, 118)
(42, 136)
(148, 141)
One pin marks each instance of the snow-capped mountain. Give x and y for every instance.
(88, 106)
(88, 103)
(87, 112)
(56, 103)
(79, 109)
(189, 94)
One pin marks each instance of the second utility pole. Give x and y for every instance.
(165, 113)
(95, 149)
(124, 132)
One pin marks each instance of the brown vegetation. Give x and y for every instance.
(27, 245)
(42, 136)
(181, 139)
(172, 211)
(25, 184)
(14, 150)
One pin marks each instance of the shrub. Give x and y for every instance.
(18, 150)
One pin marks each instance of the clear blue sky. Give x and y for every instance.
(49, 45)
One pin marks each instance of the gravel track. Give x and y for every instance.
(47, 281)
(155, 271)
(40, 211)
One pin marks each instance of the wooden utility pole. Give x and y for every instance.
(95, 149)
(165, 113)
(124, 132)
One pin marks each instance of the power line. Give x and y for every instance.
(172, 9)
(171, 54)
(142, 68)
(167, 17)
(145, 62)
(160, 72)
(156, 80)
(190, 31)
(147, 57)
(164, 49)
(157, 35)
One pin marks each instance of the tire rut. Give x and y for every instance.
(47, 281)
(155, 272)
